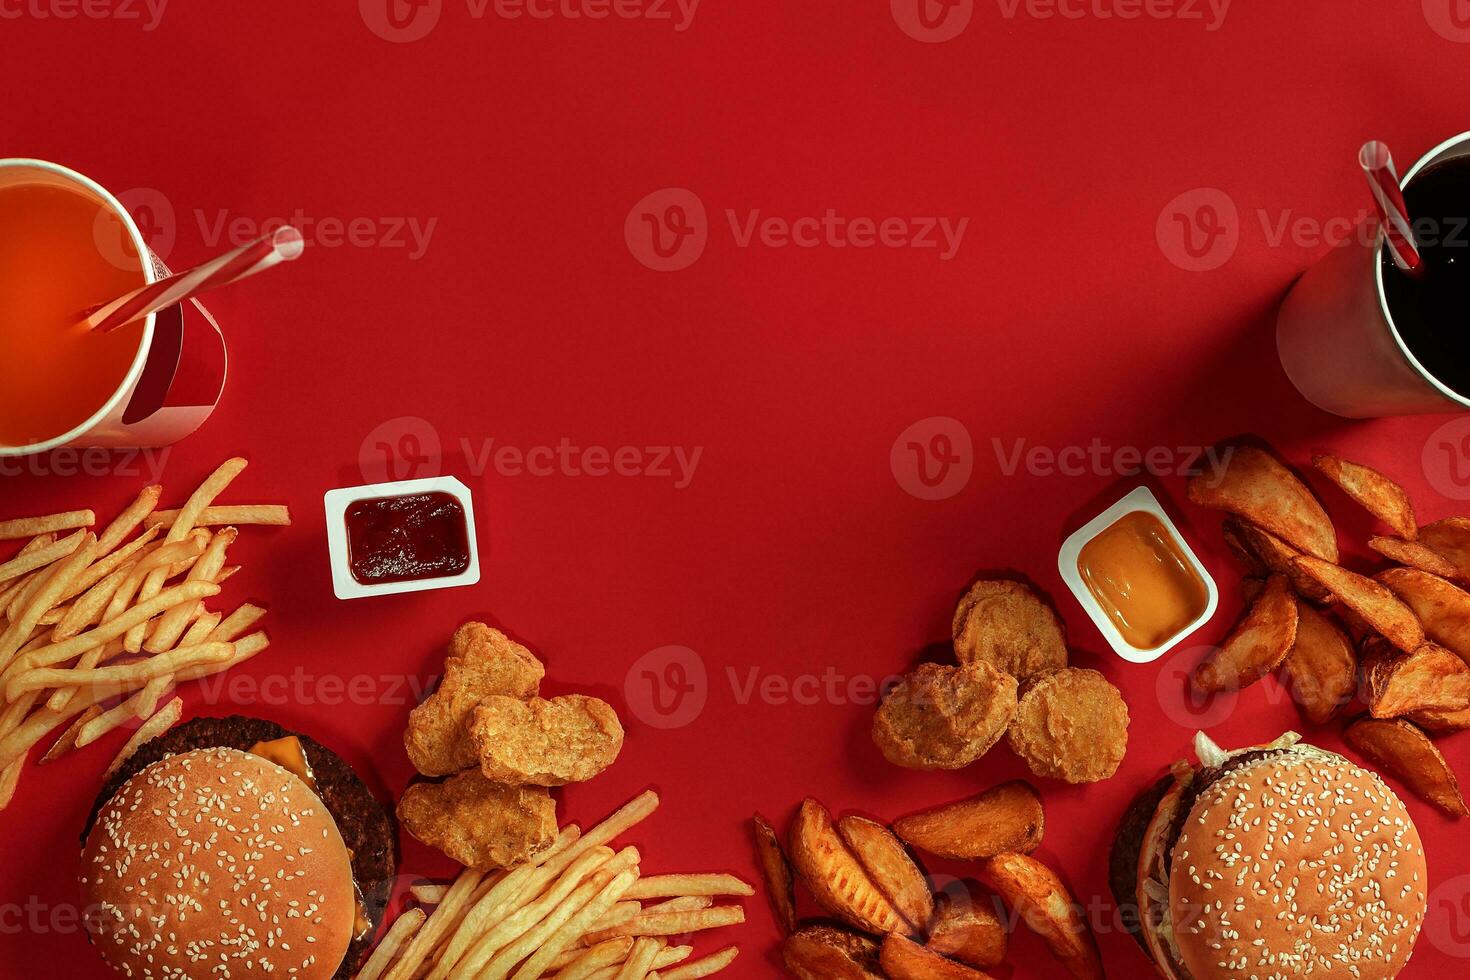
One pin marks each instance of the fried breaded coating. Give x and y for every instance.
(480, 824)
(545, 743)
(482, 662)
(1071, 725)
(945, 717)
(1007, 625)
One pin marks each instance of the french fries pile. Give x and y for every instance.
(1399, 640)
(575, 911)
(88, 618)
(893, 925)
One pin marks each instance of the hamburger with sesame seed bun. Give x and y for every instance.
(1274, 862)
(230, 847)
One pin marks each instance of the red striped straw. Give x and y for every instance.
(1377, 163)
(282, 245)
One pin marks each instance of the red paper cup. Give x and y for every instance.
(1337, 338)
(178, 374)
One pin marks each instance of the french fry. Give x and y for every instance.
(677, 923)
(1008, 818)
(127, 522)
(398, 934)
(640, 960)
(172, 624)
(29, 527)
(1376, 493)
(166, 718)
(184, 524)
(123, 676)
(428, 894)
(568, 931)
(684, 903)
(1256, 646)
(273, 515)
(1048, 909)
(20, 740)
(109, 562)
(9, 779)
(706, 967)
(627, 911)
(67, 649)
(237, 623)
(886, 860)
(780, 882)
(1429, 679)
(24, 563)
(87, 611)
(1321, 671)
(246, 648)
(1414, 555)
(673, 886)
(427, 938)
(587, 962)
(1442, 607)
(163, 556)
(835, 878)
(92, 658)
(68, 739)
(904, 959)
(1408, 753)
(49, 590)
(1379, 607)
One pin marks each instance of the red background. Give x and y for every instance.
(1061, 320)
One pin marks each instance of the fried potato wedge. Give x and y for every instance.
(1404, 750)
(1232, 530)
(1257, 645)
(1450, 539)
(886, 860)
(823, 952)
(941, 717)
(1442, 607)
(1429, 679)
(1321, 671)
(1278, 558)
(1071, 725)
(1258, 487)
(780, 882)
(1008, 626)
(1413, 554)
(836, 878)
(967, 928)
(1375, 603)
(1376, 493)
(1048, 909)
(1008, 818)
(1442, 722)
(904, 959)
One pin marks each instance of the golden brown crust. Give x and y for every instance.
(822, 952)
(1376, 493)
(1071, 725)
(1258, 487)
(1373, 602)
(1006, 625)
(967, 928)
(1322, 669)
(835, 877)
(1256, 646)
(892, 869)
(780, 882)
(944, 717)
(1442, 607)
(480, 824)
(1048, 909)
(1429, 679)
(545, 743)
(904, 959)
(482, 662)
(1008, 818)
(1405, 751)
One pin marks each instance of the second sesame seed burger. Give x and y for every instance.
(230, 847)
(1280, 861)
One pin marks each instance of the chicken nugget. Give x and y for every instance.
(545, 743)
(945, 717)
(1071, 725)
(1007, 625)
(482, 662)
(480, 824)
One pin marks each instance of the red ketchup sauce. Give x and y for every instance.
(407, 539)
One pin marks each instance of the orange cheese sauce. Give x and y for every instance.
(1140, 577)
